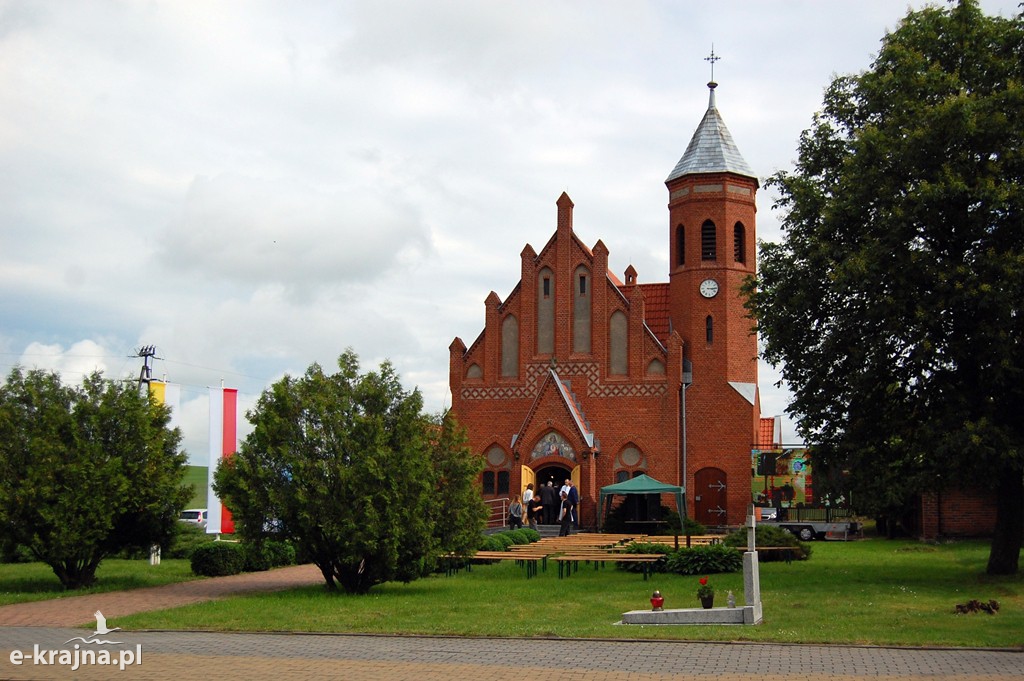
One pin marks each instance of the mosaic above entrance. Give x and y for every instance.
(553, 444)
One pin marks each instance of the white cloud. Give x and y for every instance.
(261, 233)
(255, 186)
(74, 363)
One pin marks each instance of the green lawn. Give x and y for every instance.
(23, 582)
(872, 592)
(196, 476)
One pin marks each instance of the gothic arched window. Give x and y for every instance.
(510, 347)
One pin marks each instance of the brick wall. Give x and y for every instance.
(957, 513)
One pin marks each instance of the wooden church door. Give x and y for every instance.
(528, 478)
(709, 502)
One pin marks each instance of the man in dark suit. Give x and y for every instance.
(549, 497)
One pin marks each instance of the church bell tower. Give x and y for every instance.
(712, 246)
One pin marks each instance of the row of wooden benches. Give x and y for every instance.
(568, 554)
(598, 549)
(567, 562)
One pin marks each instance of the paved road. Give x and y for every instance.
(185, 656)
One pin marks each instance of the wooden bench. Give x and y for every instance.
(527, 559)
(569, 563)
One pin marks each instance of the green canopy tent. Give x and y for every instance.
(641, 484)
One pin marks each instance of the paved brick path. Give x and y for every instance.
(77, 610)
(186, 656)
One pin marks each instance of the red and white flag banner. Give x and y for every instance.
(223, 443)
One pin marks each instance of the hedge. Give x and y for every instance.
(704, 560)
(268, 554)
(767, 535)
(217, 559)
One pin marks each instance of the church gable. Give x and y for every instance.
(562, 412)
(569, 305)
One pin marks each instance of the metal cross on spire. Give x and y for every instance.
(712, 58)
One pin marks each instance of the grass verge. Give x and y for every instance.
(870, 592)
(24, 582)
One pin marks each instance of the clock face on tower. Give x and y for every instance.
(709, 288)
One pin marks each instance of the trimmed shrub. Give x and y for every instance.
(519, 536)
(282, 553)
(186, 538)
(648, 547)
(641, 547)
(217, 559)
(766, 535)
(505, 539)
(672, 518)
(489, 542)
(704, 560)
(532, 535)
(267, 554)
(500, 541)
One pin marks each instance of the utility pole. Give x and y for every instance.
(147, 353)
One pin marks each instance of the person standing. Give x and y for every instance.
(515, 513)
(535, 511)
(574, 499)
(565, 516)
(527, 495)
(549, 497)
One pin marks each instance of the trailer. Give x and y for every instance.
(809, 523)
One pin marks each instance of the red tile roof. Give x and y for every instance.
(766, 433)
(656, 306)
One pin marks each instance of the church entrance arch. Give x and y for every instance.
(556, 475)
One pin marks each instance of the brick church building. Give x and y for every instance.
(579, 372)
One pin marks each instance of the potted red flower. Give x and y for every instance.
(706, 593)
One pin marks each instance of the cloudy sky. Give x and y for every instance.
(253, 186)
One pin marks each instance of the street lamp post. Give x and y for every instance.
(687, 380)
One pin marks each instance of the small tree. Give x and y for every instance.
(342, 464)
(85, 472)
(457, 510)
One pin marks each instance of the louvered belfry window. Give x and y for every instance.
(708, 241)
(739, 240)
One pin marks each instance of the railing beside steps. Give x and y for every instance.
(498, 516)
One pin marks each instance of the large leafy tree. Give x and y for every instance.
(85, 472)
(347, 467)
(894, 302)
